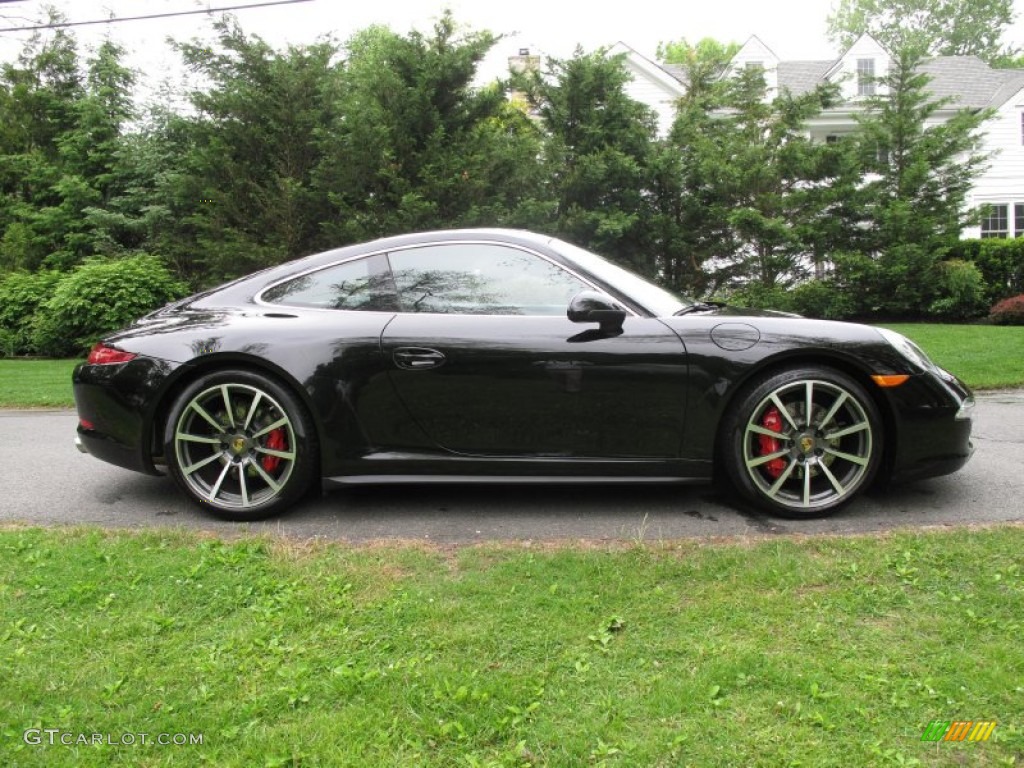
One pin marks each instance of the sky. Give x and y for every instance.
(793, 29)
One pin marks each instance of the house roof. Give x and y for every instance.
(674, 71)
(658, 72)
(967, 81)
(799, 77)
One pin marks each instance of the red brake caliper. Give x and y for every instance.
(772, 420)
(275, 442)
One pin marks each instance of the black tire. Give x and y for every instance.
(783, 463)
(240, 445)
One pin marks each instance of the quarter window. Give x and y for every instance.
(360, 284)
(481, 279)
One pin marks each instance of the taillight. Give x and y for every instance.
(103, 354)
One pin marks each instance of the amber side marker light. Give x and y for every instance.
(892, 380)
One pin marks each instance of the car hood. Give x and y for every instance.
(729, 310)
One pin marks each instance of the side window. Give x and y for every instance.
(481, 279)
(360, 284)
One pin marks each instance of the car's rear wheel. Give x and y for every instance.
(240, 445)
(802, 442)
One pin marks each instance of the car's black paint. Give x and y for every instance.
(422, 394)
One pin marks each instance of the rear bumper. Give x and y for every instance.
(115, 408)
(105, 448)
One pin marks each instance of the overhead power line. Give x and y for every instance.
(63, 24)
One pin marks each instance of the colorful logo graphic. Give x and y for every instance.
(958, 730)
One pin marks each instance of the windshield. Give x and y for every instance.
(648, 295)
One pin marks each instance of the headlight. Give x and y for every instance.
(908, 349)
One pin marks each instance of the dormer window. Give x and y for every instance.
(754, 65)
(865, 77)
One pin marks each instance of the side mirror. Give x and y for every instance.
(593, 307)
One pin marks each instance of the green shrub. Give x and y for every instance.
(1008, 311)
(101, 296)
(961, 291)
(758, 296)
(1001, 261)
(824, 299)
(21, 296)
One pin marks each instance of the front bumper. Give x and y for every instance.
(934, 420)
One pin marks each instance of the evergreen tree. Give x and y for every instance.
(244, 194)
(755, 189)
(416, 145)
(597, 155)
(39, 98)
(913, 202)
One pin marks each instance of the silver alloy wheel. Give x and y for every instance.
(820, 453)
(235, 446)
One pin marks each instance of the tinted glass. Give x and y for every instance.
(481, 279)
(361, 284)
(653, 297)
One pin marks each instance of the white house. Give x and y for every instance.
(966, 81)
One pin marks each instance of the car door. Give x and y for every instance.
(342, 310)
(485, 360)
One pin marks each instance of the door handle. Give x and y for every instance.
(417, 358)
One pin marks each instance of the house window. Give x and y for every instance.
(995, 223)
(754, 65)
(1022, 127)
(1018, 219)
(865, 77)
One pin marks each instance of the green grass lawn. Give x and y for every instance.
(818, 652)
(36, 383)
(984, 356)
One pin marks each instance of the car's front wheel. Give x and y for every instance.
(802, 442)
(240, 445)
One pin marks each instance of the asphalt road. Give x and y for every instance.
(50, 483)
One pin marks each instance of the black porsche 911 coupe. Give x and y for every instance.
(506, 356)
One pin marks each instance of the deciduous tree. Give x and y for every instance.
(930, 27)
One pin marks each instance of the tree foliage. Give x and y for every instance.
(930, 27)
(279, 153)
(22, 294)
(245, 195)
(98, 297)
(597, 154)
(919, 173)
(703, 61)
(415, 145)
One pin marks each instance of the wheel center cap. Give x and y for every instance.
(807, 444)
(238, 445)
